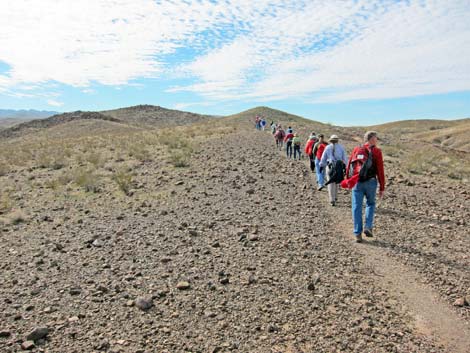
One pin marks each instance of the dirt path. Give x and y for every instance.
(432, 315)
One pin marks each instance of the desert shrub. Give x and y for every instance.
(139, 152)
(5, 203)
(179, 159)
(95, 158)
(123, 179)
(4, 168)
(87, 179)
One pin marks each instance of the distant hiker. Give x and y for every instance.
(297, 142)
(263, 124)
(288, 140)
(364, 167)
(312, 139)
(318, 149)
(273, 127)
(279, 137)
(258, 123)
(334, 159)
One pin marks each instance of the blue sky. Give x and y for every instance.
(344, 62)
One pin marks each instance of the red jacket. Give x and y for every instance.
(377, 160)
(289, 136)
(321, 148)
(309, 147)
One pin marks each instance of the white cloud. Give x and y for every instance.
(397, 50)
(319, 51)
(55, 103)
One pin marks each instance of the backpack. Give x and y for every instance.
(337, 172)
(365, 163)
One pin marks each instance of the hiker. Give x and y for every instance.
(273, 127)
(258, 122)
(263, 124)
(288, 140)
(366, 169)
(312, 140)
(296, 142)
(334, 159)
(318, 149)
(279, 136)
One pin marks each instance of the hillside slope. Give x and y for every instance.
(155, 116)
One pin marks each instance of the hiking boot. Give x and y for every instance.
(368, 233)
(358, 238)
(333, 203)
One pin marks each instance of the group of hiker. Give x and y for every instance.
(362, 172)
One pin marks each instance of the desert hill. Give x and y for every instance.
(155, 116)
(204, 237)
(38, 124)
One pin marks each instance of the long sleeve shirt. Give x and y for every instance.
(333, 152)
(378, 164)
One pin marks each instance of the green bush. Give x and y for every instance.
(124, 179)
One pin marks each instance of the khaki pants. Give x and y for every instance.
(332, 187)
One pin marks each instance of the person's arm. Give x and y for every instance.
(348, 165)
(324, 157)
(380, 171)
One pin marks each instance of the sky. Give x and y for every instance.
(346, 62)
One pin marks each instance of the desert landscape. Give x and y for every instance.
(145, 229)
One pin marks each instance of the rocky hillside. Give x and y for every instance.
(39, 124)
(156, 116)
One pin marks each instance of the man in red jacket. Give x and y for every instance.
(312, 140)
(365, 183)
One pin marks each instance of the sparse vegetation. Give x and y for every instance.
(87, 179)
(123, 179)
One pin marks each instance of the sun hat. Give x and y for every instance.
(334, 138)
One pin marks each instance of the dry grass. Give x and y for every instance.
(124, 180)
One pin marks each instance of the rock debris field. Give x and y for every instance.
(244, 255)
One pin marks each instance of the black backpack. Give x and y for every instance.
(367, 170)
(337, 172)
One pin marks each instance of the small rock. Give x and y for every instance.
(97, 243)
(4, 334)
(461, 302)
(253, 237)
(193, 232)
(27, 345)
(224, 280)
(183, 285)
(179, 182)
(75, 291)
(143, 303)
(37, 334)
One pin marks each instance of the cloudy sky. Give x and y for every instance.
(344, 62)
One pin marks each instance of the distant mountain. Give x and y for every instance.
(152, 115)
(34, 125)
(25, 114)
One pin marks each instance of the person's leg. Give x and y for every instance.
(312, 163)
(357, 198)
(370, 192)
(331, 186)
(320, 176)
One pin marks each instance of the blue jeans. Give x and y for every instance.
(368, 189)
(320, 176)
(289, 149)
(297, 151)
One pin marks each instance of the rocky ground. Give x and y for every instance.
(242, 254)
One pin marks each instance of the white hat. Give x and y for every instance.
(334, 138)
